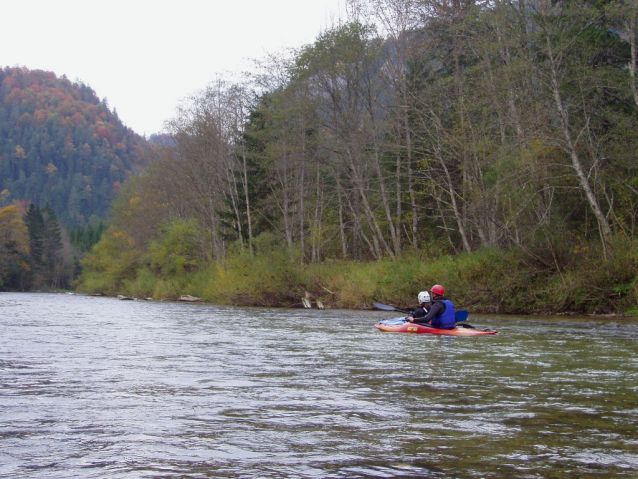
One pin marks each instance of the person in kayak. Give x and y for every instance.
(441, 314)
(424, 305)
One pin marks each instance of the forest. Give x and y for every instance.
(62, 145)
(487, 146)
(63, 158)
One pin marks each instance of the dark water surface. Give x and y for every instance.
(100, 388)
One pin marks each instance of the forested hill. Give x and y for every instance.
(60, 144)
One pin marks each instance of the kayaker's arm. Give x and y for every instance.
(419, 313)
(436, 310)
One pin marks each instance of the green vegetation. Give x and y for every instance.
(45, 245)
(486, 146)
(61, 147)
(32, 252)
(14, 248)
(85, 237)
(488, 280)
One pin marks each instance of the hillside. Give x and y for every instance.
(60, 144)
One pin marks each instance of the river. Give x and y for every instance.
(96, 387)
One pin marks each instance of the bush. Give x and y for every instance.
(110, 263)
(269, 276)
(177, 250)
(143, 286)
(596, 285)
(488, 280)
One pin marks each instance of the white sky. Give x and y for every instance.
(143, 56)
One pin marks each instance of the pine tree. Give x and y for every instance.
(35, 225)
(52, 246)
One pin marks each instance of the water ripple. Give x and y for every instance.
(96, 387)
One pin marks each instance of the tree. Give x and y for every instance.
(566, 65)
(624, 15)
(52, 133)
(282, 134)
(342, 69)
(34, 221)
(52, 247)
(45, 241)
(14, 249)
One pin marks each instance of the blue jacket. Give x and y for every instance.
(447, 319)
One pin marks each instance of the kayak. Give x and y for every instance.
(401, 326)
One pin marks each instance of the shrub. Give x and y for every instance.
(111, 261)
(269, 276)
(143, 286)
(177, 250)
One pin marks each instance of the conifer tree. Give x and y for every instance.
(52, 246)
(45, 242)
(35, 226)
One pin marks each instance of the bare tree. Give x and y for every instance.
(559, 24)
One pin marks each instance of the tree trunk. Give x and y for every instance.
(603, 223)
(460, 222)
(247, 196)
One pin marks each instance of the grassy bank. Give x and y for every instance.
(489, 281)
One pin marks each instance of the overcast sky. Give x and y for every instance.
(143, 56)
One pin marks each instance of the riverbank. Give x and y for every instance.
(487, 281)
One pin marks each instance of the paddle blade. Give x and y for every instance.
(461, 316)
(385, 307)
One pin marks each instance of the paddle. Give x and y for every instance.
(385, 307)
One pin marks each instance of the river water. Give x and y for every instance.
(101, 388)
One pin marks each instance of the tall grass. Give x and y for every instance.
(489, 280)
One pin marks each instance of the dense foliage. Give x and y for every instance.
(60, 144)
(63, 158)
(418, 130)
(14, 249)
(32, 253)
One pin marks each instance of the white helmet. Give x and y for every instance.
(424, 297)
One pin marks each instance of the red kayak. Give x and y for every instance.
(406, 327)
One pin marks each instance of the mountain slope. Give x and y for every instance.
(60, 144)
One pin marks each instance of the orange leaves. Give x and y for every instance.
(20, 153)
(134, 200)
(133, 204)
(16, 96)
(40, 116)
(51, 169)
(104, 130)
(124, 237)
(13, 231)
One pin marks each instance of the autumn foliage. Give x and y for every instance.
(14, 247)
(60, 144)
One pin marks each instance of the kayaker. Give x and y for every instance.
(441, 314)
(424, 305)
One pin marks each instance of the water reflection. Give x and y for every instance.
(95, 387)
